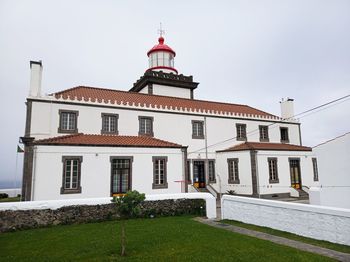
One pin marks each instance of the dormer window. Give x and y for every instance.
(68, 121)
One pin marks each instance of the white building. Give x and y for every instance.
(157, 138)
(333, 173)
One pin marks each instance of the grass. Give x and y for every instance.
(321, 243)
(10, 199)
(159, 239)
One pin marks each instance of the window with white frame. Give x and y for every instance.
(109, 123)
(314, 165)
(241, 130)
(71, 174)
(146, 125)
(68, 121)
(160, 172)
(273, 171)
(233, 175)
(197, 129)
(264, 133)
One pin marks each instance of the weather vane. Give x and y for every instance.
(161, 32)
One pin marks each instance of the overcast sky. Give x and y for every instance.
(247, 52)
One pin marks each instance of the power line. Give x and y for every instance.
(325, 104)
(299, 114)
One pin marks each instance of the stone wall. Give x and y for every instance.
(11, 220)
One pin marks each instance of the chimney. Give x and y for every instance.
(287, 108)
(36, 69)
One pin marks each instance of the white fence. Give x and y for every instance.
(324, 223)
(54, 204)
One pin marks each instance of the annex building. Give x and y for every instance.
(157, 138)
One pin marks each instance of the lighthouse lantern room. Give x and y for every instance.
(161, 77)
(161, 57)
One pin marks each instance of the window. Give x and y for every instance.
(264, 133)
(71, 174)
(314, 165)
(273, 173)
(284, 134)
(233, 176)
(211, 171)
(121, 174)
(109, 123)
(160, 172)
(197, 129)
(146, 125)
(68, 121)
(241, 132)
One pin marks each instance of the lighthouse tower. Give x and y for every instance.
(161, 57)
(161, 77)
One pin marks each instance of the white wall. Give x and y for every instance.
(96, 170)
(168, 126)
(284, 184)
(171, 91)
(264, 186)
(330, 224)
(333, 159)
(244, 171)
(176, 128)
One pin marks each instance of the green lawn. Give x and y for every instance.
(160, 239)
(326, 244)
(10, 199)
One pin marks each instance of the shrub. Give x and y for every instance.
(4, 195)
(128, 205)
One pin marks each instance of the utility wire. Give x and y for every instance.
(325, 104)
(299, 114)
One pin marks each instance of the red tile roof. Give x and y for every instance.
(155, 101)
(266, 146)
(107, 140)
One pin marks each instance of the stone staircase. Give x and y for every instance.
(203, 190)
(302, 194)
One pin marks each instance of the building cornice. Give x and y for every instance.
(167, 79)
(159, 109)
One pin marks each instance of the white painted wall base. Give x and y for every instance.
(324, 223)
(315, 195)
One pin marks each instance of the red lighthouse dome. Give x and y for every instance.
(161, 57)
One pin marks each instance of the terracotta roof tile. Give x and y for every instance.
(266, 146)
(107, 140)
(155, 101)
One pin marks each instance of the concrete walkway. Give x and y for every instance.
(278, 240)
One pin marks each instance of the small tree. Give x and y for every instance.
(128, 206)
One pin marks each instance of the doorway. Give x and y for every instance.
(295, 176)
(199, 174)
